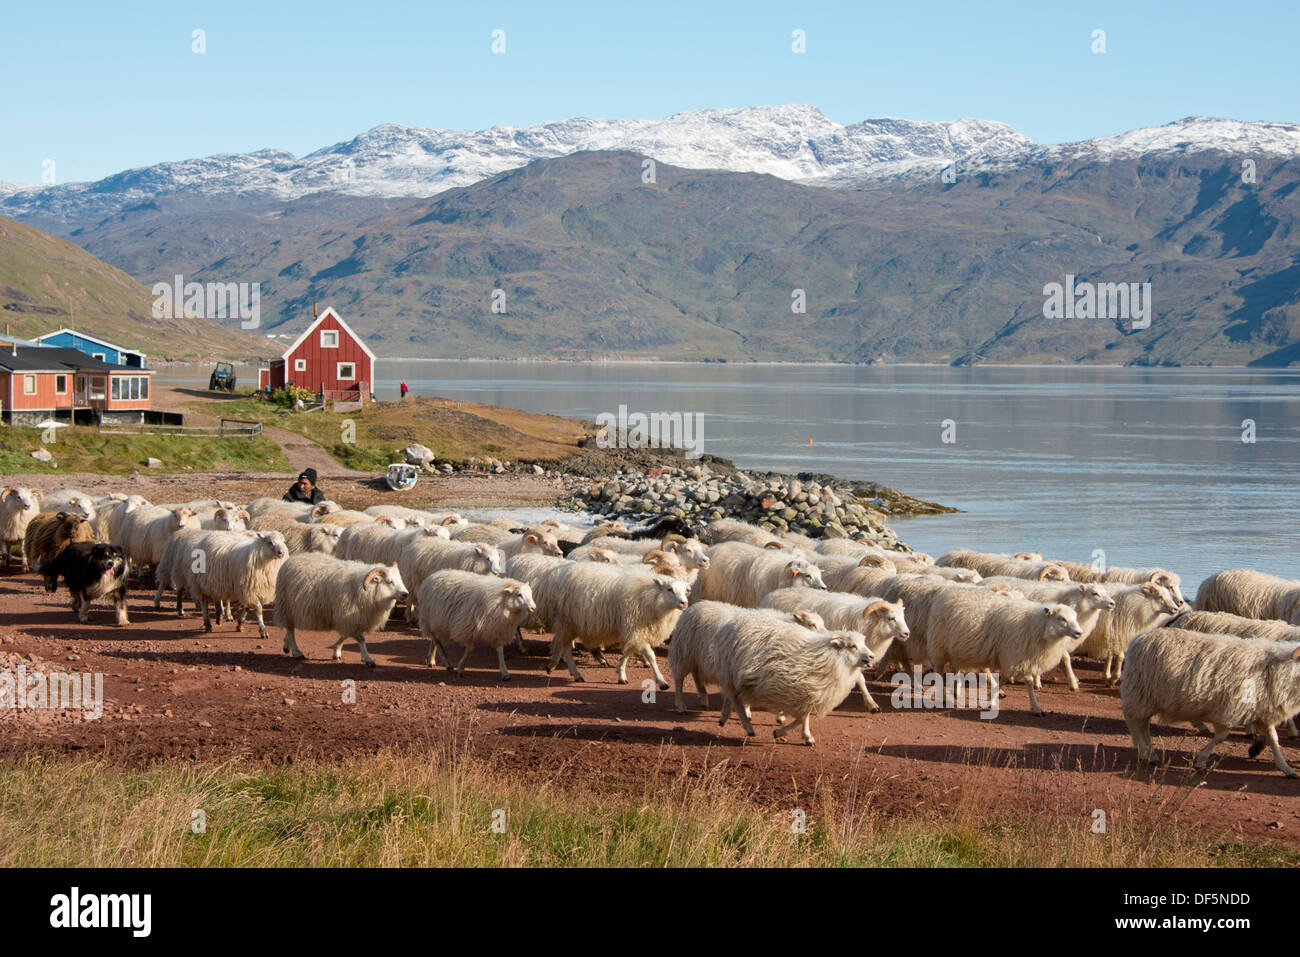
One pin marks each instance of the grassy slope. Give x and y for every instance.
(454, 431)
(47, 283)
(83, 449)
(437, 810)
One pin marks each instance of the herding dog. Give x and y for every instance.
(92, 570)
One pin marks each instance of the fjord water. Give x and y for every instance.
(1146, 464)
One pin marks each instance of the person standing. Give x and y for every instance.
(404, 390)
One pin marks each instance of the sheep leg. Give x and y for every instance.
(701, 691)
(622, 668)
(261, 622)
(742, 712)
(807, 730)
(563, 647)
(599, 654)
(207, 622)
(1069, 672)
(651, 659)
(180, 602)
(460, 665)
(239, 622)
(290, 645)
(360, 640)
(867, 700)
(1220, 734)
(1033, 698)
(501, 660)
(158, 593)
(1140, 730)
(1278, 760)
(1291, 731)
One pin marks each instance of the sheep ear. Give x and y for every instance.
(39, 494)
(1295, 654)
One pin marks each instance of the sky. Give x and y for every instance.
(99, 88)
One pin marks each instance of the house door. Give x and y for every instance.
(79, 392)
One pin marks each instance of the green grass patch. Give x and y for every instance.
(441, 809)
(84, 449)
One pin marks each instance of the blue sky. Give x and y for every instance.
(104, 87)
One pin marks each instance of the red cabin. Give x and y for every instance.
(328, 358)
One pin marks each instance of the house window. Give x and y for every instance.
(347, 370)
(29, 385)
(144, 387)
(60, 385)
(97, 385)
(299, 365)
(329, 339)
(97, 355)
(135, 387)
(117, 388)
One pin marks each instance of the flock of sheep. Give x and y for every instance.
(782, 623)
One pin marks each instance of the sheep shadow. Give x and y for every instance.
(628, 734)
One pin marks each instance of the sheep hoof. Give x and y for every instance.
(663, 686)
(1290, 774)
(875, 709)
(505, 677)
(622, 681)
(1255, 748)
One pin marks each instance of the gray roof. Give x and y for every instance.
(52, 359)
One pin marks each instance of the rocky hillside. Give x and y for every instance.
(47, 283)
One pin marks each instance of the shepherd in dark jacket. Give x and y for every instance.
(305, 490)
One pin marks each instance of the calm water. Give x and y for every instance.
(1148, 465)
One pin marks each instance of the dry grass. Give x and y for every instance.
(438, 810)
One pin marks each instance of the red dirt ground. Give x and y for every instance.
(175, 692)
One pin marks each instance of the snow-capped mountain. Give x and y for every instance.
(793, 142)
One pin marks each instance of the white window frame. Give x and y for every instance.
(29, 378)
(98, 355)
(338, 372)
(299, 365)
(329, 332)
(57, 390)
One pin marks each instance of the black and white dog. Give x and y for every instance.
(92, 570)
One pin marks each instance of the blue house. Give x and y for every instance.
(95, 347)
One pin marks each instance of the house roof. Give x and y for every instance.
(81, 334)
(58, 359)
(328, 311)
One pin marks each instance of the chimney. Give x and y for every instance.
(315, 310)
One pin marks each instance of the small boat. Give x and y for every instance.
(401, 476)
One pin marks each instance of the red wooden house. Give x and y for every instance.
(328, 358)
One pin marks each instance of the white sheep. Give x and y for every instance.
(1090, 601)
(1138, 608)
(260, 506)
(321, 593)
(225, 519)
(774, 665)
(602, 606)
(741, 574)
(471, 609)
(18, 506)
(144, 531)
(299, 536)
(1225, 623)
(989, 565)
(1251, 594)
(380, 543)
(71, 501)
(428, 554)
(109, 516)
(1218, 680)
(731, 530)
(878, 621)
(692, 648)
(973, 629)
(236, 567)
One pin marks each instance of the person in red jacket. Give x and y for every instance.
(404, 390)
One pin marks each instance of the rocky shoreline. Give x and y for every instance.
(645, 484)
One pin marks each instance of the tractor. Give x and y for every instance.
(222, 378)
